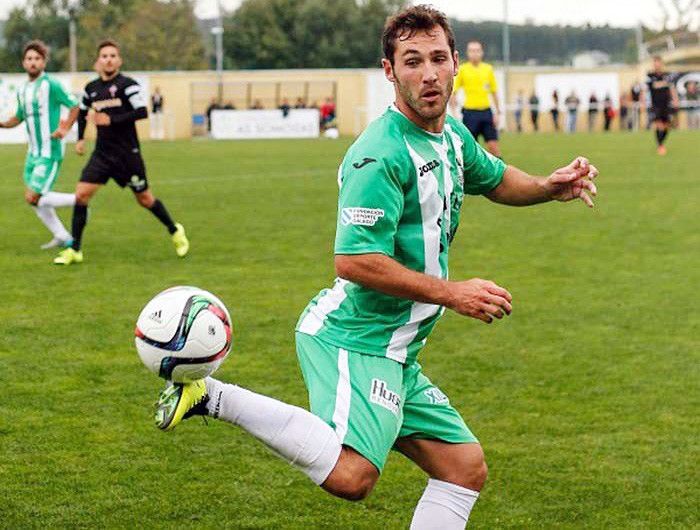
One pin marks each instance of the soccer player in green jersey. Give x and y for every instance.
(39, 103)
(402, 184)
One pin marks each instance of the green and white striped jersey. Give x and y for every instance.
(39, 106)
(401, 191)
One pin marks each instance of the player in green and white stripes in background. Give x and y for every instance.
(39, 103)
(402, 185)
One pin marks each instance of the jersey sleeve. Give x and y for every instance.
(61, 95)
(492, 81)
(134, 93)
(370, 204)
(19, 114)
(482, 171)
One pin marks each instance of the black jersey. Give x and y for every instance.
(122, 99)
(659, 85)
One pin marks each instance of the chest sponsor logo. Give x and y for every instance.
(382, 396)
(360, 216)
(113, 90)
(365, 161)
(106, 104)
(428, 167)
(436, 396)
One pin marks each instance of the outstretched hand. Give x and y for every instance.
(574, 181)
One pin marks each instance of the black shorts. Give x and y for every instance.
(125, 168)
(661, 114)
(480, 122)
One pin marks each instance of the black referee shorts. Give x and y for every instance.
(661, 113)
(126, 168)
(480, 123)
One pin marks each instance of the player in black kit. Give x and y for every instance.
(664, 99)
(114, 103)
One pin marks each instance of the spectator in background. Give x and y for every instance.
(156, 117)
(285, 107)
(519, 105)
(257, 105)
(625, 112)
(608, 111)
(535, 111)
(692, 103)
(572, 103)
(213, 105)
(636, 104)
(592, 111)
(554, 111)
(300, 103)
(327, 113)
(229, 106)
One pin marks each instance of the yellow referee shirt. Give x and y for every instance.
(477, 82)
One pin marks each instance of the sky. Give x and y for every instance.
(624, 13)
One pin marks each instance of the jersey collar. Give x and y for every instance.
(436, 136)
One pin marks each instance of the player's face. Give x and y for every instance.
(33, 63)
(423, 74)
(109, 61)
(658, 65)
(475, 53)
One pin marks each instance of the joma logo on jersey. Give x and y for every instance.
(106, 104)
(436, 396)
(382, 396)
(428, 167)
(360, 216)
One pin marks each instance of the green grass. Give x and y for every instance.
(586, 399)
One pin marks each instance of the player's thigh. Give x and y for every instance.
(358, 395)
(435, 436)
(462, 464)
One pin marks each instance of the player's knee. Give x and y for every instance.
(145, 199)
(82, 197)
(353, 477)
(471, 472)
(32, 198)
(354, 488)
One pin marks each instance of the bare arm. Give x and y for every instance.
(480, 299)
(65, 125)
(9, 124)
(567, 183)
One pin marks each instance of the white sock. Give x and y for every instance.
(52, 222)
(295, 434)
(57, 200)
(443, 506)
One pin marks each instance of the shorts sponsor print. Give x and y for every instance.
(371, 401)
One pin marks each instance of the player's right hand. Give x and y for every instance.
(80, 147)
(480, 299)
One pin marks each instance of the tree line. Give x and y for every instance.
(165, 35)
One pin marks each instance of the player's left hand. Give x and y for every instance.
(495, 119)
(574, 181)
(62, 130)
(100, 119)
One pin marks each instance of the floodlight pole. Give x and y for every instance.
(72, 41)
(506, 57)
(219, 35)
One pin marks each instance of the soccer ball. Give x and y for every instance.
(183, 334)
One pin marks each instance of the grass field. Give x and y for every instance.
(586, 399)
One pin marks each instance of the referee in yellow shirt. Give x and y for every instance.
(477, 80)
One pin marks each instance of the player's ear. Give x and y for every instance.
(388, 70)
(455, 58)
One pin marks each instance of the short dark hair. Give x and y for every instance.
(658, 58)
(405, 24)
(107, 42)
(38, 46)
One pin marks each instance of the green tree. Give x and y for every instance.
(40, 19)
(306, 33)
